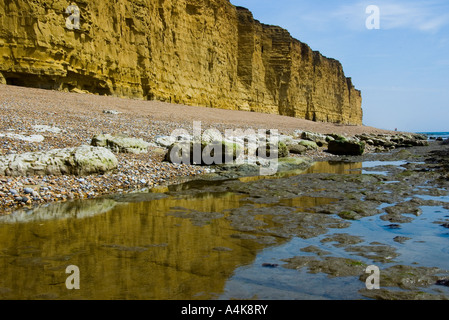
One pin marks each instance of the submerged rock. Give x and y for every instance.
(77, 161)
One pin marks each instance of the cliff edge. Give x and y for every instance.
(195, 52)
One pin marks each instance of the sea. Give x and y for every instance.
(435, 135)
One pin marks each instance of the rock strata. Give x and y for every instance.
(194, 52)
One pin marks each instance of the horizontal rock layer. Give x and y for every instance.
(195, 52)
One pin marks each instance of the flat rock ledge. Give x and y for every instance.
(120, 143)
(84, 160)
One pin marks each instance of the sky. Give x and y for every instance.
(397, 55)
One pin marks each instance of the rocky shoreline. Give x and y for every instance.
(35, 122)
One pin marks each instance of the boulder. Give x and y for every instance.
(83, 160)
(311, 136)
(296, 148)
(203, 153)
(310, 145)
(265, 151)
(33, 138)
(120, 143)
(165, 141)
(346, 147)
(45, 128)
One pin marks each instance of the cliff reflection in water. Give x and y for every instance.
(134, 251)
(160, 248)
(336, 167)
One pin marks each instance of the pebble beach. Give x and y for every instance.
(41, 120)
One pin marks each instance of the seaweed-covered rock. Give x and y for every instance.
(203, 153)
(266, 151)
(296, 148)
(346, 147)
(310, 145)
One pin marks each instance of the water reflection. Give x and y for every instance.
(137, 250)
(151, 246)
(336, 167)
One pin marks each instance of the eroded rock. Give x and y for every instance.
(82, 160)
(120, 143)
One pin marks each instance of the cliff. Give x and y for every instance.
(195, 52)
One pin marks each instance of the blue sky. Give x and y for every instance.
(402, 68)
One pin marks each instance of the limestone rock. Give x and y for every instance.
(32, 138)
(203, 153)
(45, 128)
(310, 145)
(165, 141)
(389, 141)
(195, 52)
(297, 148)
(120, 143)
(83, 160)
(281, 151)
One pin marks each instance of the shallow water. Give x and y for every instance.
(184, 242)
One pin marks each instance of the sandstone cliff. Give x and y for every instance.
(196, 52)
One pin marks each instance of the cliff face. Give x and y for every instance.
(195, 52)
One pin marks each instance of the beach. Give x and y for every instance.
(67, 120)
(310, 231)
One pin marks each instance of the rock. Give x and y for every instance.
(2, 79)
(270, 265)
(120, 143)
(311, 136)
(294, 163)
(32, 138)
(310, 145)
(165, 141)
(346, 147)
(265, 151)
(77, 161)
(442, 282)
(45, 128)
(111, 112)
(14, 192)
(297, 148)
(28, 191)
(203, 153)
